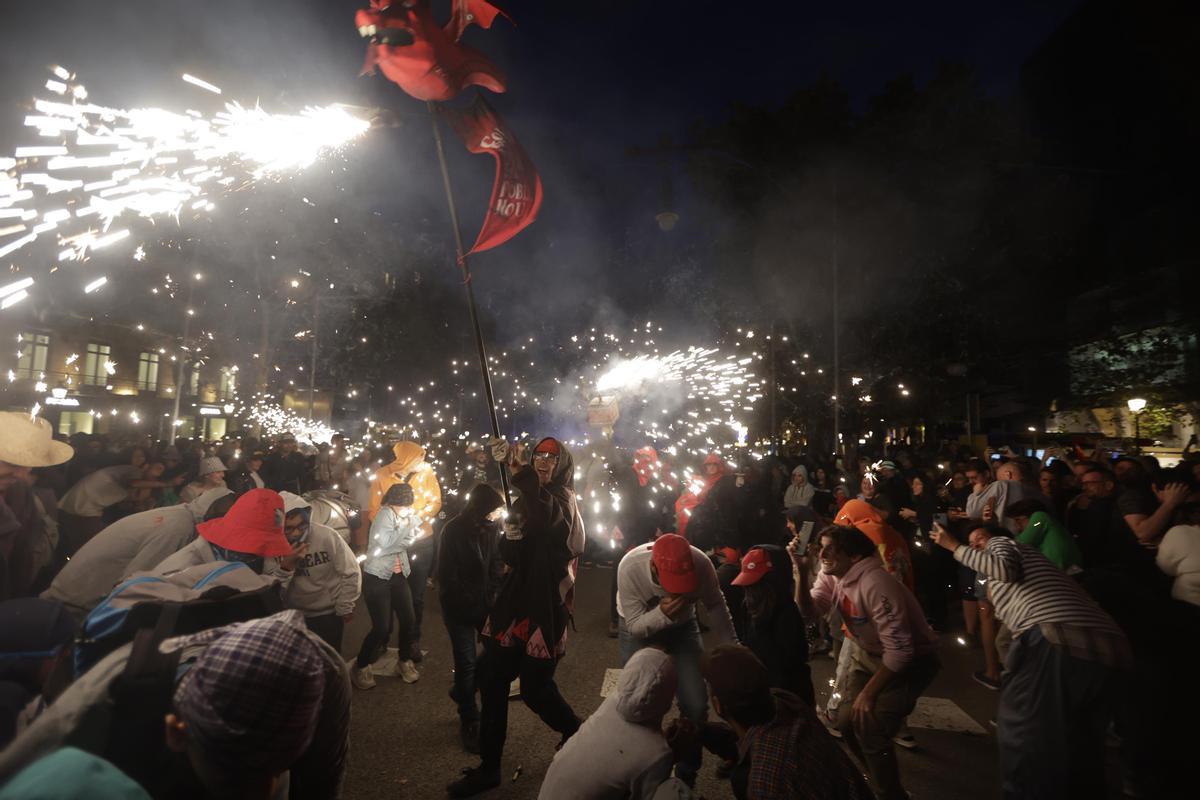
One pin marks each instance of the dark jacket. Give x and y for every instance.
(469, 568)
(532, 608)
(778, 637)
(288, 473)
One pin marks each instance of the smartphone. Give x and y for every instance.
(805, 533)
(942, 519)
(995, 456)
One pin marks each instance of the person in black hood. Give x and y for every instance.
(524, 634)
(772, 626)
(469, 571)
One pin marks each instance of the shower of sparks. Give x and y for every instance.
(107, 164)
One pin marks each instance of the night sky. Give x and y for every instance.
(586, 81)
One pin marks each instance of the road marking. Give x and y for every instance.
(943, 714)
(609, 684)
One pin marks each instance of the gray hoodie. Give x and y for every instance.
(620, 751)
(133, 544)
(327, 579)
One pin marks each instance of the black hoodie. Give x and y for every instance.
(532, 608)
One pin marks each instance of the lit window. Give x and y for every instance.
(147, 378)
(94, 372)
(31, 355)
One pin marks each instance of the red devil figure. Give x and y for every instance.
(423, 58)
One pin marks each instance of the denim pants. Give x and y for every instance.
(420, 561)
(498, 668)
(462, 646)
(682, 642)
(385, 599)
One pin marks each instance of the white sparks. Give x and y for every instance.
(208, 87)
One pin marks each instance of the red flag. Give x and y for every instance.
(517, 192)
(422, 57)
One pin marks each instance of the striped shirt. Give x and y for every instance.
(1028, 590)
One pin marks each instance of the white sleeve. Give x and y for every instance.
(640, 619)
(349, 584)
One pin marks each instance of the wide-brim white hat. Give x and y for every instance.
(29, 442)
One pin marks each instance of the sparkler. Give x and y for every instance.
(109, 164)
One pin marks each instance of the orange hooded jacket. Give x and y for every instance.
(409, 464)
(891, 545)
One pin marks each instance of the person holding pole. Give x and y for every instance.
(525, 632)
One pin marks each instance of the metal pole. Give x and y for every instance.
(771, 350)
(179, 368)
(312, 368)
(837, 400)
(466, 272)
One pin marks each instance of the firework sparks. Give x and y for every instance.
(111, 164)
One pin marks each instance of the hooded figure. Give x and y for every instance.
(135, 543)
(799, 494)
(893, 550)
(251, 533)
(525, 632)
(534, 602)
(327, 581)
(697, 491)
(626, 729)
(409, 467)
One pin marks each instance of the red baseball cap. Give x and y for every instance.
(672, 557)
(755, 564)
(254, 524)
(547, 445)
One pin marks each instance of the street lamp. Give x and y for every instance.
(1137, 405)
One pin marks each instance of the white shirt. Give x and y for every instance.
(638, 596)
(99, 490)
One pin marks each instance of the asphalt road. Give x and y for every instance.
(405, 737)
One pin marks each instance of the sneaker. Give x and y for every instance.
(469, 733)
(407, 672)
(983, 680)
(474, 781)
(418, 655)
(362, 678)
(905, 739)
(830, 722)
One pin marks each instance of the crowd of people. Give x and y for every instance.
(173, 616)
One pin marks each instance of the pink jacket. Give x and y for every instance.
(880, 613)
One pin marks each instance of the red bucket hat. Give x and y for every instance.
(253, 525)
(755, 565)
(672, 556)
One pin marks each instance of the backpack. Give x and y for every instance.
(201, 597)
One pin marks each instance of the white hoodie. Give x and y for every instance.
(132, 544)
(327, 579)
(619, 751)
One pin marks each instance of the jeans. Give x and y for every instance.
(329, 627)
(385, 598)
(462, 646)
(1054, 711)
(420, 560)
(870, 738)
(682, 642)
(497, 669)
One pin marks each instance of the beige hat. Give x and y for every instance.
(211, 465)
(29, 442)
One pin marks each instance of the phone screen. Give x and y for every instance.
(995, 456)
(805, 533)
